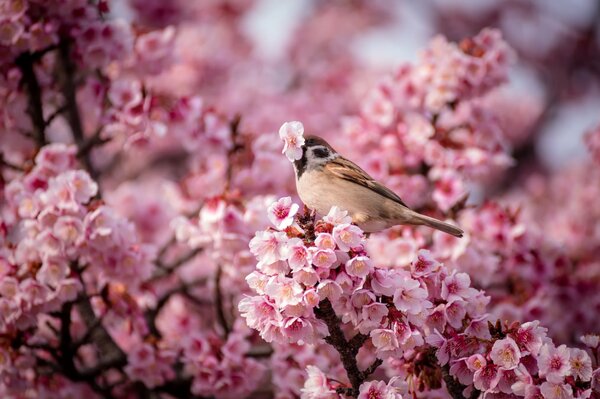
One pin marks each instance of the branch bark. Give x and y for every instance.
(455, 388)
(348, 349)
(69, 91)
(35, 109)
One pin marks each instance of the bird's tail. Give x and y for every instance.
(417, 218)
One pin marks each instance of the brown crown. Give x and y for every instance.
(312, 141)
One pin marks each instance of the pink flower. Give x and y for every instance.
(552, 390)
(292, 134)
(125, 93)
(68, 289)
(347, 236)
(281, 213)
(476, 362)
(329, 289)
(487, 377)
(384, 340)
(68, 229)
(410, 297)
(317, 385)
(455, 312)
(284, 291)
(52, 272)
(530, 337)
(385, 281)
(298, 255)
(325, 241)
(449, 189)
(457, 286)
(359, 266)
(425, 264)
(581, 364)
(155, 50)
(371, 316)
(591, 340)
(554, 363)
(506, 354)
(323, 258)
(337, 216)
(378, 390)
(268, 247)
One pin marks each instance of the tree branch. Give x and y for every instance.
(219, 302)
(348, 349)
(73, 116)
(35, 109)
(455, 388)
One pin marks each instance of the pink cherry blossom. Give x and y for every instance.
(554, 363)
(317, 385)
(552, 390)
(323, 258)
(269, 247)
(337, 216)
(410, 297)
(292, 134)
(506, 354)
(581, 364)
(282, 212)
(378, 390)
(298, 254)
(359, 266)
(347, 236)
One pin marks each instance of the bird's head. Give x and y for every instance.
(315, 153)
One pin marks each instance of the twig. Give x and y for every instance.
(94, 141)
(348, 349)
(72, 110)
(371, 369)
(235, 147)
(9, 165)
(34, 97)
(151, 314)
(455, 388)
(54, 114)
(164, 270)
(219, 302)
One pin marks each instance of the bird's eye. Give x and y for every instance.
(321, 152)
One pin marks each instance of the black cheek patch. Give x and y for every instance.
(321, 152)
(300, 165)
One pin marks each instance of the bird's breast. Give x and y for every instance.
(368, 209)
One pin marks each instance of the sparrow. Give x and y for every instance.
(325, 178)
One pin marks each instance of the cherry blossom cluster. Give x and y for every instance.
(431, 116)
(30, 26)
(520, 360)
(302, 264)
(296, 273)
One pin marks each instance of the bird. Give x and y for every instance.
(324, 179)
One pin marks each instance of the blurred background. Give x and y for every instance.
(552, 98)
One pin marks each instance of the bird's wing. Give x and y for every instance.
(348, 170)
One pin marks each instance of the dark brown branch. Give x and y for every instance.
(89, 144)
(348, 349)
(152, 314)
(219, 302)
(54, 114)
(371, 369)
(69, 91)
(455, 388)
(25, 62)
(235, 147)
